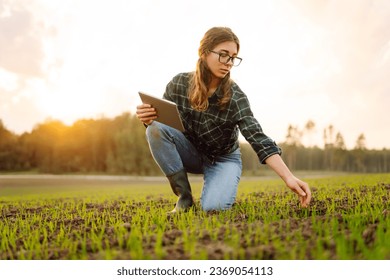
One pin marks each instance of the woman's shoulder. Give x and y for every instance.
(178, 86)
(237, 92)
(182, 77)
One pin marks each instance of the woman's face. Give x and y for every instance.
(218, 69)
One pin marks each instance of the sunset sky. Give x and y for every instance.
(319, 60)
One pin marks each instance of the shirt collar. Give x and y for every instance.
(218, 92)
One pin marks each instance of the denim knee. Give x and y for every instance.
(214, 206)
(153, 132)
(210, 204)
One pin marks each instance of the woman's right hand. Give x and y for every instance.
(146, 113)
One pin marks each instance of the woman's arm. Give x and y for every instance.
(299, 187)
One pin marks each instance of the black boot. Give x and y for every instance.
(181, 187)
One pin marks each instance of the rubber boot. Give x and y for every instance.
(181, 187)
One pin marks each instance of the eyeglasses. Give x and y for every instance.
(225, 58)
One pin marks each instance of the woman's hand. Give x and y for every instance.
(298, 186)
(146, 113)
(301, 188)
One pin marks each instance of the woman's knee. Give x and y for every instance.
(155, 132)
(152, 131)
(217, 202)
(220, 189)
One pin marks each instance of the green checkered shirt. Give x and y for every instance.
(215, 132)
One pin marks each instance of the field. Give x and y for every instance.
(59, 217)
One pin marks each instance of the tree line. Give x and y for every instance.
(118, 146)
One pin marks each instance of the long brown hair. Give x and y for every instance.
(200, 81)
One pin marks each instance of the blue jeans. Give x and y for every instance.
(173, 152)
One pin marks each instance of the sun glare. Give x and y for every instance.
(69, 104)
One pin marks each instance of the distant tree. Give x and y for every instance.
(328, 136)
(328, 147)
(118, 146)
(309, 130)
(340, 153)
(361, 142)
(293, 137)
(45, 140)
(250, 160)
(385, 159)
(360, 155)
(339, 142)
(130, 153)
(9, 158)
(293, 141)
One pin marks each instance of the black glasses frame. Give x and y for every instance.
(234, 59)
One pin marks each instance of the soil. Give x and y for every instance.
(237, 237)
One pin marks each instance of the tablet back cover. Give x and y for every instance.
(167, 112)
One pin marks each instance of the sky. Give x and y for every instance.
(322, 60)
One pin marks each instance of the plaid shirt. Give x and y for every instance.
(214, 132)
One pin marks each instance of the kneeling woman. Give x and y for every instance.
(213, 109)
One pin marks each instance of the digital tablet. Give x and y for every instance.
(167, 112)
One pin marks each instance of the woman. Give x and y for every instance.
(212, 108)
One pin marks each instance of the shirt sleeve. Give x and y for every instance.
(168, 90)
(250, 128)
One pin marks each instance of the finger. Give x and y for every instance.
(302, 201)
(142, 106)
(298, 190)
(305, 200)
(304, 193)
(148, 120)
(145, 110)
(306, 188)
(308, 199)
(146, 114)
